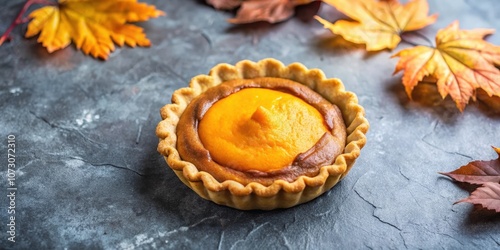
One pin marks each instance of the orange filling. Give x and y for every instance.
(260, 129)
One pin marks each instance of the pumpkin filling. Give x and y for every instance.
(260, 130)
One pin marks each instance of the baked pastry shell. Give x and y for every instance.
(280, 194)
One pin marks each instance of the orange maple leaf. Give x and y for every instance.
(461, 62)
(378, 24)
(271, 11)
(93, 25)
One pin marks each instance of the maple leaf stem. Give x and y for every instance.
(409, 42)
(404, 39)
(20, 19)
(424, 37)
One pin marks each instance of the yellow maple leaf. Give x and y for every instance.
(93, 25)
(462, 62)
(378, 24)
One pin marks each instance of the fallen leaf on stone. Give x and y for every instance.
(378, 24)
(224, 4)
(488, 196)
(461, 62)
(93, 25)
(271, 11)
(478, 172)
(485, 173)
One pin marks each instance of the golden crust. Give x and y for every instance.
(324, 151)
(280, 194)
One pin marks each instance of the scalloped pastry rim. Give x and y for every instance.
(255, 195)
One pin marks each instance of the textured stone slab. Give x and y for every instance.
(89, 176)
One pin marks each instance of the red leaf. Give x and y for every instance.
(271, 11)
(478, 172)
(224, 4)
(487, 196)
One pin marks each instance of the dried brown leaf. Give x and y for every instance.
(488, 196)
(271, 11)
(478, 172)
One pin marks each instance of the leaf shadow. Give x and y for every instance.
(203, 2)
(330, 44)
(252, 28)
(329, 41)
(477, 214)
(489, 105)
(64, 59)
(462, 185)
(306, 12)
(425, 97)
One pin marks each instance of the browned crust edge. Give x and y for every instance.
(307, 163)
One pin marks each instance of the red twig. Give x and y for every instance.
(19, 18)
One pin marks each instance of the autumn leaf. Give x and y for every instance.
(461, 62)
(488, 196)
(378, 24)
(271, 11)
(478, 172)
(225, 4)
(95, 26)
(485, 173)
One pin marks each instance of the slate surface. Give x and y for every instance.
(88, 174)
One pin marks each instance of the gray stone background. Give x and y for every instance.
(89, 176)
